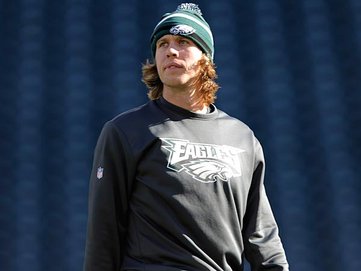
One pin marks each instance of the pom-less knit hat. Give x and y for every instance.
(185, 21)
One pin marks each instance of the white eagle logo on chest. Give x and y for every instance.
(204, 162)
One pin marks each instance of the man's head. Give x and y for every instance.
(187, 21)
(182, 50)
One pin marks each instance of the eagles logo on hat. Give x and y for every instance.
(182, 29)
(186, 20)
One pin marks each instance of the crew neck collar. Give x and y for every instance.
(172, 108)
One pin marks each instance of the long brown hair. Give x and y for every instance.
(205, 83)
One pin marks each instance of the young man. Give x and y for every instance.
(177, 184)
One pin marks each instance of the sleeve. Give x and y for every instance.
(263, 247)
(109, 190)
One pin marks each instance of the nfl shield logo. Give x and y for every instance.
(100, 172)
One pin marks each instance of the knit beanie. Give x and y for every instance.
(185, 21)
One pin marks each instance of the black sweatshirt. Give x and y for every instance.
(175, 190)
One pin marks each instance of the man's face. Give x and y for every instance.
(177, 59)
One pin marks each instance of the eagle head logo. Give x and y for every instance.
(208, 171)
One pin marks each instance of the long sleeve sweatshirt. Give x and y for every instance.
(175, 190)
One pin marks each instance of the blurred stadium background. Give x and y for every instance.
(289, 69)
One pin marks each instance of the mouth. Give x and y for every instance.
(172, 65)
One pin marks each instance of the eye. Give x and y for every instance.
(161, 44)
(183, 42)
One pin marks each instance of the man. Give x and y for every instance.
(177, 184)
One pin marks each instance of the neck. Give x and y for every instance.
(185, 98)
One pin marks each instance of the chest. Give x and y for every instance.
(196, 160)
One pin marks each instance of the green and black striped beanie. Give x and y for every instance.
(186, 21)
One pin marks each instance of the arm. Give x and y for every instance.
(263, 247)
(108, 202)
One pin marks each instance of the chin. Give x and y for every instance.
(176, 82)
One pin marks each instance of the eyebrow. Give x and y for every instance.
(164, 38)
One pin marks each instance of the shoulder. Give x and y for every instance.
(139, 111)
(234, 123)
(132, 126)
(138, 117)
(236, 128)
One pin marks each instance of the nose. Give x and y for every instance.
(172, 51)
